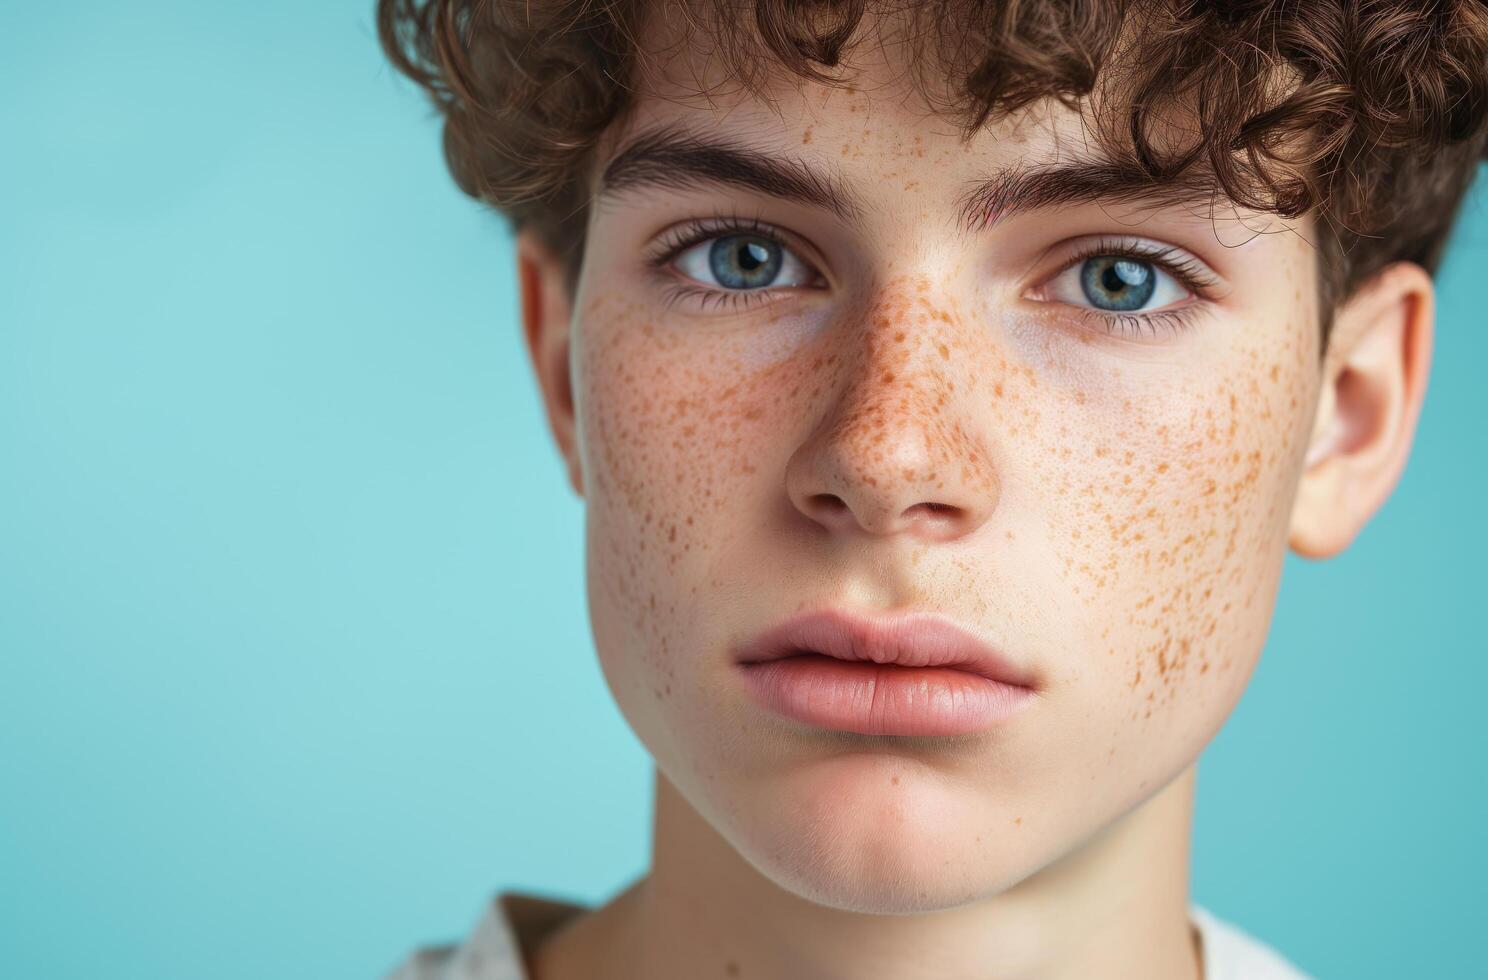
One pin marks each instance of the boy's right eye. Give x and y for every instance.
(743, 261)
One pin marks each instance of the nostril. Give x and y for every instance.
(829, 502)
(935, 509)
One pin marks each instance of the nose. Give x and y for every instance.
(900, 449)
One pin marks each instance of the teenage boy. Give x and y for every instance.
(945, 384)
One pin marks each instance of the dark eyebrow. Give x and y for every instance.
(1019, 188)
(672, 158)
(678, 159)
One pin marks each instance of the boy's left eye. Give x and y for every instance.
(1116, 284)
(743, 262)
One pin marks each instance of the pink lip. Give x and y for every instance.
(903, 674)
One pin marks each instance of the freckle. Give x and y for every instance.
(806, 136)
(895, 780)
(899, 337)
(1017, 820)
(888, 376)
(997, 389)
(945, 352)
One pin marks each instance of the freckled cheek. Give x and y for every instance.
(1195, 540)
(682, 454)
(1212, 446)
(674, 438)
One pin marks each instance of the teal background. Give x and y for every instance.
(281, 529)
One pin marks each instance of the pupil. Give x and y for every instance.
(753, 255)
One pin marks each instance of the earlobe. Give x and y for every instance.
(546, 323)
(1374, 383)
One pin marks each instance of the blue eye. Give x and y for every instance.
(742, 262)
(1117, 284)
(1121, 283)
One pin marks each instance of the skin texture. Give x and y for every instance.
(933, 425)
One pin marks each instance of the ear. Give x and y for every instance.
(546, 317)
(1374, 382)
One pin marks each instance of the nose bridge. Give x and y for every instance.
(895, 396)
(898, 448)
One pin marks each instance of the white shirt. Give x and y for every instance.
(514, 921)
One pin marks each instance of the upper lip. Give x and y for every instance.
(915, 639)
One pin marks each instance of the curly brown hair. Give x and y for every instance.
(1377, 132)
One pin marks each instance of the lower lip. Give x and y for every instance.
(882, 699)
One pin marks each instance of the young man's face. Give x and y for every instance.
(753, 442)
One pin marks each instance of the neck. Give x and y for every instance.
(1116, 906)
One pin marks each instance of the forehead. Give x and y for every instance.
(886, 124)
(877, 106)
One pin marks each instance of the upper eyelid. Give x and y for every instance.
(1191, 272)
(677, 238)
(689, 234)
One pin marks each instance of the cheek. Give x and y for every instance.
(670, 427)
(674, 442)
(1169, 500)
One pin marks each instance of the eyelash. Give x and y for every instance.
(1189, 274)
(1186, 271)
(678, 239)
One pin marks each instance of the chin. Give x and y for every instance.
(881, 848)
(878, 875)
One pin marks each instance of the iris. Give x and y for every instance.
(1115, 283)
(745, 261)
